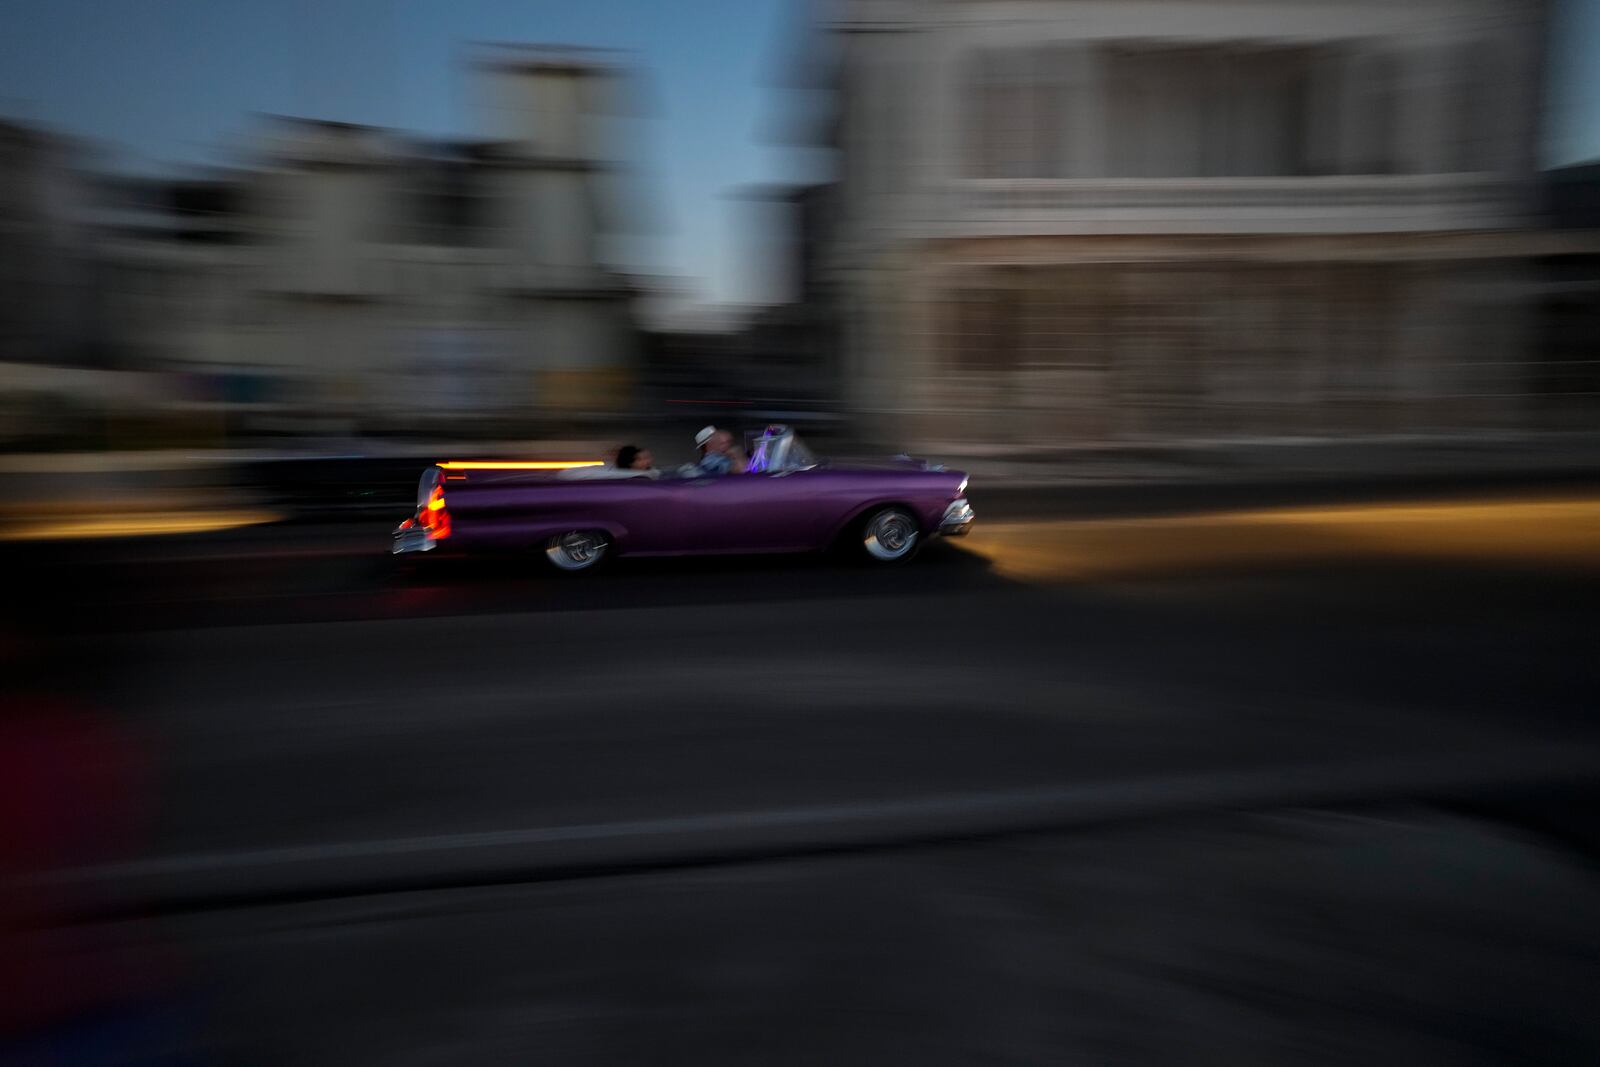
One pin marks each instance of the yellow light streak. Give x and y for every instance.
(124, 525)
(1547, 531)
(519, 465)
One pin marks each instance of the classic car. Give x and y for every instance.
(581, 512)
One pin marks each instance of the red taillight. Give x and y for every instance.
(434, 516)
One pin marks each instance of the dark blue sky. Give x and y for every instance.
(174, 80)
(1574, 93)
(168, 81)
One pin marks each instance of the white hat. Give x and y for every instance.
(704, 435)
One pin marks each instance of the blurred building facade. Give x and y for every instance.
(791, 344)
(775, 359)
(1067, 222)
(1569, 352)
(44, 247)
(357, 279)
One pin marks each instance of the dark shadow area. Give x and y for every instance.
(107, 592)
(1312, 937)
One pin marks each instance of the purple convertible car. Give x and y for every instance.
(578, 514)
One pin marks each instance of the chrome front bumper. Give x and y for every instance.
(414, 539)
(957, 518)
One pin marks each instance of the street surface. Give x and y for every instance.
(1261, 785)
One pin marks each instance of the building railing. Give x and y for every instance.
(1379, 202)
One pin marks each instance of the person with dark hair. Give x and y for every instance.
(631, 461)
(634, 458)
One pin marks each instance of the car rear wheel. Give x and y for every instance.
(890, 535)
(577, 550)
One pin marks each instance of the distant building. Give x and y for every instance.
(767, 360)
(46, 259)
(1067, 222)
(1568, 368)
(360, 279)
(791, 346)
(1572, 196)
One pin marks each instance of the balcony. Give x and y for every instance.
(1342, 204)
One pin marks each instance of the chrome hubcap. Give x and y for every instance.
(577, 550)
(891, 535)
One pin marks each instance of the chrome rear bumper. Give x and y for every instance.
(414, 539)
(957, 518)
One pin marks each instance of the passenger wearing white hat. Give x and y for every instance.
(717, 453)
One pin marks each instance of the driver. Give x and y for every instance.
(718, 455)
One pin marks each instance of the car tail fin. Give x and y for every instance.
(433, 514)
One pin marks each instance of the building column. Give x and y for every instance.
(1422, 348)
(920, 335)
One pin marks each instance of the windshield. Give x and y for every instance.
(778, 448)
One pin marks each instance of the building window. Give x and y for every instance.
(999, 133)
(1473, 107)
(985, 330)
(1017, 126)
(1368, 113)
(1179, 111)
(441, 206)
(1215, 111)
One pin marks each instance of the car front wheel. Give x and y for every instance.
(577, 550)
(890, 535)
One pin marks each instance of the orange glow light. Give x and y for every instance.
(519, 465)
(434, 518)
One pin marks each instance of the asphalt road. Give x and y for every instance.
(1242, 790)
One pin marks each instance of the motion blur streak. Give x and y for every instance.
(107, 526)
(536, 465)
(1250, 720)
(1551, 532)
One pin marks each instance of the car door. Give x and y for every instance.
(747, 513)
(650, 510)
